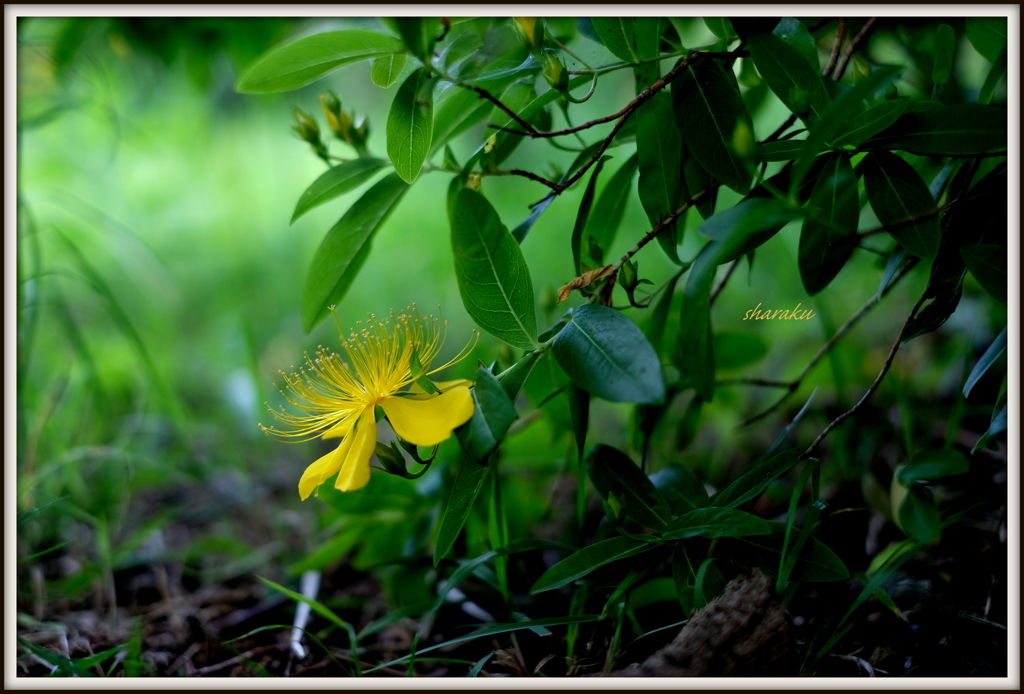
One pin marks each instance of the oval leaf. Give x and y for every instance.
(606, 354)
(410, 124)
(491, 419)
(751, 483)
(816, 561)
(612, 472)
(659, 148)
(345, 248)
(869, 123)
(788, 74)
(336, 181)
(828, 236)
(494, 280)
(587, 559)
(987, 263)
(897, 193)
(297, 64)
(610, 207)
(933, 129)
(991, 355)
(385, 70)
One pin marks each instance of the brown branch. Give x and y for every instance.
(236, 660)
(539, 179)
(834, 58)
(843, 330)
(668, 221)
(781, 129)
(874, 386)
(864, 30)
(721, 283)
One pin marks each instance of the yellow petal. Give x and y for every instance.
(429, 421)
(317, 473)
(342, 428)
(444, 386)
(355, 470)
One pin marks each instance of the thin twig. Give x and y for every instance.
(840, 35)
(843, 330)
(236, 660)
(781, 129)
(721, 283)
(874, 386)
(852, 47)
(914, 219)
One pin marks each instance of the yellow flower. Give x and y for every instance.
(339, 398)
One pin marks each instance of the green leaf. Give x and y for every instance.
(745, 226)
(994, 77)
(475, 670)
(607, 213)
(492, 416)
(468, 482)
(716, 522)
(708, 107)
(385, 70)
(345, 248)
(696, 179)
(604, 353)
(583, 213)
(588, 559)
(932, 465)
(579, 412)
(67, 666)
(336, 181)
(720, 27)
(617, 35)
(780, 150)
(659, 316)
(735, 349)
(793, 32)
(514, 378)
(816, 562)
(410, 124)
(945, 49)
(871, 122)
(990, 357)
(518, 96)
(891, 266)
(680, 487)
(937, 130)
(828, 235)
(998, 425)
(751, 483)
(987, 263)
(494, 280)
(708, 583)
(987, 35)
(658, 146)
(299, 63)
(646, 39)
(896, 193)
(612, 471)
(794, 81)
(418, 34)
(919, 518)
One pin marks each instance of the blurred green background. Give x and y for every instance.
(160, 285)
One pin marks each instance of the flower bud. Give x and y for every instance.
(306, 127)
(555, 72)
(530, 31)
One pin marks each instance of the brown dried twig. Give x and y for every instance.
(864, 30)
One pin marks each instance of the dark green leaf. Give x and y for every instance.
(746, 26)
(583, 213)
(780, 150)
(871, 122)
(612, 472)
(518, 96)
(708, 583)
(816, 561)
(475, 670)
(896, 193)
(994, 77)
(513, 379)
(659, 316)
(793, 32)
(680, 487)
(385, 70)
(494, 280)
(579, 411)
(932, 465)
(336, 181)
(934, 129)
(734, 349)
(708, 108)
(492, 416)
(828, 236)
(751, 483)
(987, 263)
(991, 355)
(345, 248)
(696, 179)
(794, 81)
(714, 522)
(997, 426)
(987, 35)
(66, 665)
(891, 266)
(587, 559)
(606, 354)
(610, 207)
(945, 49)
(299, 63)
(919, 518)
(745, 226)
(618, 36)
(410, 124)
(468, 482)
(418, 34)
(646, 33)
(658, 146)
